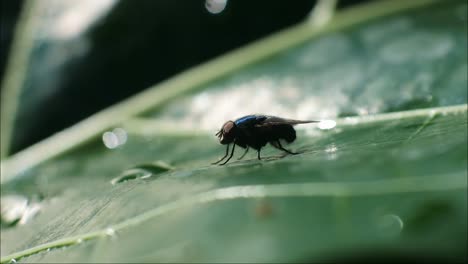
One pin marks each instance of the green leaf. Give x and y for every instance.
(390, 177)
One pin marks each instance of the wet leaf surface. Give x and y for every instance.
(393, 180)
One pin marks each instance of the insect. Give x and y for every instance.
(255, 131)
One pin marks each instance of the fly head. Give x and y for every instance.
(227, 133)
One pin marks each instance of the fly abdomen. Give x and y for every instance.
(287, 132)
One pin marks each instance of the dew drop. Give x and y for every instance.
(110, 140)
(142, 171)
(331, 150)
(215, 6)
(131, 174)
(327, 124)
(79, 241)
(12, 208)
(12, 260)
(110, 231)
(391, 223)
(16, 209)
(32, 210)
(121, 135)
(115, 138)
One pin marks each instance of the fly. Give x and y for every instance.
(255, 131)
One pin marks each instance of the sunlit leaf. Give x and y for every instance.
(389, 179)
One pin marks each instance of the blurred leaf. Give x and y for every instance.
(374, 183)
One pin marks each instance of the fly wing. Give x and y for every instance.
(250, 121)
(274, 120)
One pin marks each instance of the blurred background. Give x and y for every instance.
(87, 55)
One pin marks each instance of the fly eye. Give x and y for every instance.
(227, 127)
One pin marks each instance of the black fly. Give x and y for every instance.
(256, 131)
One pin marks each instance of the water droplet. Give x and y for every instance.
(110, 231)
(142, 171)
(113, 139)
(121, 135)
(48, 250)
(215, 6)
(110, 140)
(12, 260)
(31, 211)
(391, 223)
(327, 124)
(131, 174)
(13, 208)
(79, 241)
(16, 209)
(331, 150)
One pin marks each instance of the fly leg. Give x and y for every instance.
(258, 154)
(227, 151)
(277, 144)
(246, 150)
(232, 153)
